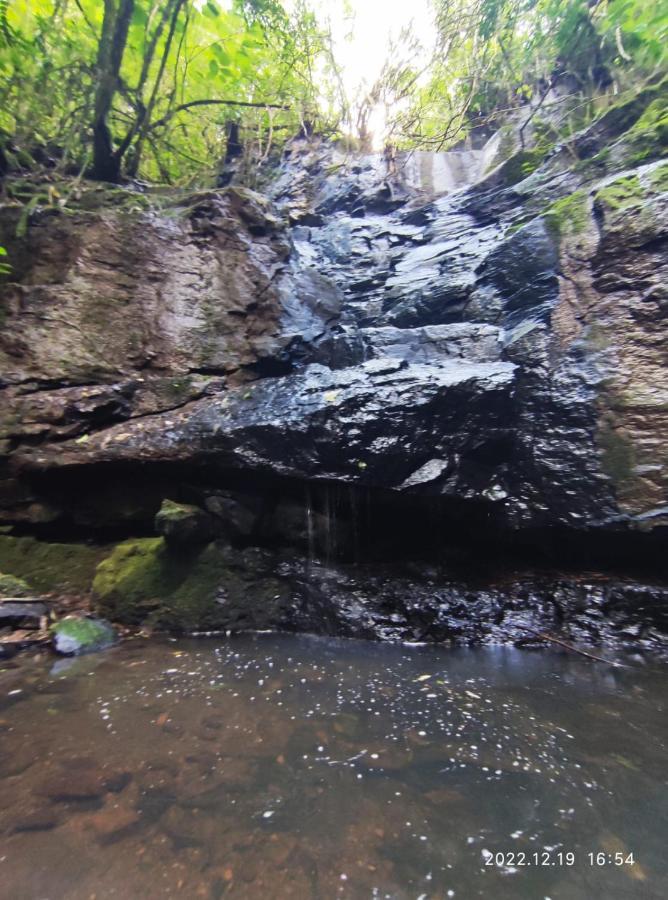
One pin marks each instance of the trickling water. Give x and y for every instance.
(354, 521)
(279, 766)
(328, 523)
(310, 532)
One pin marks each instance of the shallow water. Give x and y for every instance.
(277, 766)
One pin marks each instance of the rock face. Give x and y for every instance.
(225, 588)
(490, 341)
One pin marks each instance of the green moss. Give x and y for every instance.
(11, 586)
(657, 179)
(647, 138)
(653, 122)
(521, 165)
(132, 580)
(621, 193)
(143, 581)
(87, 632)
(177, 512)
(50, 566)
(568, 216)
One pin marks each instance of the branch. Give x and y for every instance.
(165, 119)
(543, 636)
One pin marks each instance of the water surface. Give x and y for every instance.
(293, 767)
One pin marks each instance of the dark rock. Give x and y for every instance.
(183, 524)
(40, 820)
(490, 344)
(22, 609)
(76, 787)
(236, 514)
(239, 590)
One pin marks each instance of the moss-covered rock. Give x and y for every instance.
(568, 216)
(521, 165)
(76, 635)
(647, 139)
(50, 566)
(184, 524)
(620, 193)
(217, 587)
(143, 580)
(657, 178)
(11, 586)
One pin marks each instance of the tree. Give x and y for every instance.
(129, 88)
(111, 47)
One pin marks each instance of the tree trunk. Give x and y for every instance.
(145, 123)
(115, 25)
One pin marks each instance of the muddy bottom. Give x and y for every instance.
(277, 766)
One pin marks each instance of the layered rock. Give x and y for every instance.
(494, 342)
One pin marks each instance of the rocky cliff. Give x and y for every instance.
(467, 351)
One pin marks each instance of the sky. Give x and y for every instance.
(362, 31)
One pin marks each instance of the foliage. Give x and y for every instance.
(160, 81)
(496, 56)
(164, 90)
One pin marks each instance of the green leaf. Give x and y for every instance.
(223, 56)
(211, 10)
(139, 16)
(213, 67)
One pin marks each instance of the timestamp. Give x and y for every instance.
(513, 859)
(610, 859)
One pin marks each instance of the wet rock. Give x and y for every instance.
(114, 822)
(236, 514)
(22, 609)
(84, 786)
(228, 589)
(39, 820)
(188, 828)
(332, 424)
(115, 782)
(187, 282)
(491, 341)
(76, 635)
(182, 524)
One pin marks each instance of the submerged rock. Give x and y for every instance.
(76, 635)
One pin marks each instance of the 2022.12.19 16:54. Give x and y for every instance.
(513, 859)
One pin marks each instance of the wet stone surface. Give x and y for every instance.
(274, 766)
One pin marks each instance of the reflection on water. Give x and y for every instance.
(278, 766)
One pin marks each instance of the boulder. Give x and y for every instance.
(76, 635)
(182, 524)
